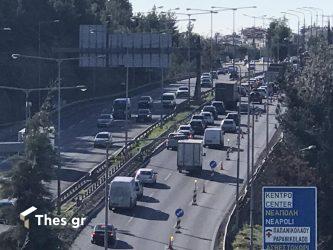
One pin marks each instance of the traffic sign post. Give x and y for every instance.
(289, 217)
(179, 213)
(213, 165)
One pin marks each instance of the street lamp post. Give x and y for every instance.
(28, 91)
(39, 52)
(59, 61)
(252, 191)
(309, 11)
(233, 24)
(211, 12)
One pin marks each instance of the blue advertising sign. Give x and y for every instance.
(289, 217)
(213, 164)
(179, 212)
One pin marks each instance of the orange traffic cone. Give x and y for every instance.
(221, 166)
(170, 247)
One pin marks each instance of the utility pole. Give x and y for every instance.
(252, 191)
(106, 196)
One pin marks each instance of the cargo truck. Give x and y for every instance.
(189, 156)
(228, 93)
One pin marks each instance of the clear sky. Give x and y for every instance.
(222, 22)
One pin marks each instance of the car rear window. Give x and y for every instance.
(102, 227)
(104, 117)
(227, 122)
(103, 136)
(145, 172)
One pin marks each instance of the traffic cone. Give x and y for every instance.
(170, 247)
(228, 157)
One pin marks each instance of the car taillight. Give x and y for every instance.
(93, 234)
(111, 234)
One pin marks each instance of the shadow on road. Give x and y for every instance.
(217, 177)
(149, 199)
(145, 213)
(119, 244)
(159, 185)
(70, 175)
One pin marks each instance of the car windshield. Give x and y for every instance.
(184, 128)
(208, 109)
(102, 136)
(196, 123)
(226, 122)
(183, 88)
(145, 173)
(119, 104)
(104, 117)
(168, 97)
(199, 117)
(206, 80)
(145, 99)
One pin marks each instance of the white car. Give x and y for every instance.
(206, 75)
(104, 120)
(208, 117)
(228, 125)
(263, 91)
(102, 139)
(146, 175)
(183, 88)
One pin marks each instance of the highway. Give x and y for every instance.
(151, 223)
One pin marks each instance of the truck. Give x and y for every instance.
(189, 155)
(227, 93)
(122, 193)
(121, 108)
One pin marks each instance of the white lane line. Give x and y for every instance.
(130, 219)
(151, 195)
(167, 177)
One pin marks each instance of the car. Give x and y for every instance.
(182, 94)
(138, 189)
(214, 75)
(244, 107)
(104, 120)
(234, 116)
(145, 102)
(206, 82)
(144, 115)
(186, 130)
(232, 69)
(255, 96)
(201, 118)
(212, 109)
(197, 126)
(183, 88)
(169, 100)
(146, 176)
(219, 105)
(102, 139)
(242, 91)
(233, 75)
(206, 75)
(97, 236)
(208, 117)
(173, 138)
(222, 71)
(228, 125)
(263, 91)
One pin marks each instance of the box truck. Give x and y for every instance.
(189, 155)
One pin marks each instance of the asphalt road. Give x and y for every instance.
(79, 128)
(151, 223)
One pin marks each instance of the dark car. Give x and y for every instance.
(255, 96)
(233, 75)
(244, 107)
(144, 115)
(198, 127)
(145, 102)
(211, 109)
(219, 105)
(97, 236)
(234, 116)
(214, 75)
(206, 82)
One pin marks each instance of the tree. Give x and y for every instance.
(308, 121)
(278, 35)
(27, 180)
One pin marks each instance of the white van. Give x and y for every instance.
(122, 193)
(213, 137)
(169, 100)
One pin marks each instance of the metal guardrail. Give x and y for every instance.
(95, 179)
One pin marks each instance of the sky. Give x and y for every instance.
(222, 22)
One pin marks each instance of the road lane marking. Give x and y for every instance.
(167, 177)
(82, 121)
(130, 219)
